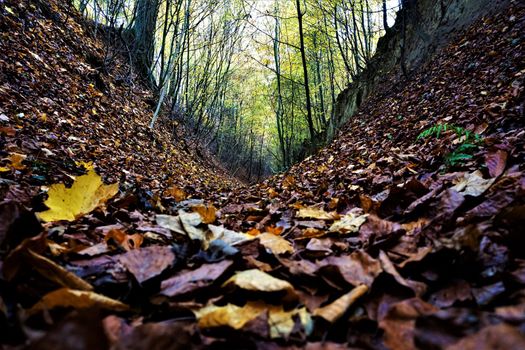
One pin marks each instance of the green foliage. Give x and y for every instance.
(469, 142)
(438, 129)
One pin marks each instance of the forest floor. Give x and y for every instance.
(380, 240)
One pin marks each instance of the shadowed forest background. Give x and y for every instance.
(255, 81)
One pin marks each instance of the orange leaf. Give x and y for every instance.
(177, 193)
(276, 230)
(126, 242)
(254, 232)
(208, 213)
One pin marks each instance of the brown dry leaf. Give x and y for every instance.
(419, 288)
(496, 162)
(357, 268)
(13, 262)
(146, 263)
(190, 280)
(500, 336)
(400, 321)
(349, 223)
(55, 272)
(77, 299)
(256, 280)
(207, 213)
(316, 213)
(123, 240)
(8, 131)
(332, 312)
(275, 244)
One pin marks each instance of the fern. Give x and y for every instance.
(464, 151)
(438, 129)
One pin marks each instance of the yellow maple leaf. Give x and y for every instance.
(87, 193)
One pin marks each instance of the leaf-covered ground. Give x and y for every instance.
(381, 240)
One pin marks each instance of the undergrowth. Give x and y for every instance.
(470, 142)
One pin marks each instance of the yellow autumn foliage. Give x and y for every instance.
(87, 193)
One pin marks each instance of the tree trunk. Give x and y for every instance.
(144, 41)
(309, 118)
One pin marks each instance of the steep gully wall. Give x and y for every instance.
(430, 24)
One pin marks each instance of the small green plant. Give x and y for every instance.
(469, 142)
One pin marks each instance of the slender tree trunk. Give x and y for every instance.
(309, 117)
(385, 18)
(279, 109)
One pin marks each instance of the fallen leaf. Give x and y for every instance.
(500, 336)
(275, 244)
(418, 287)
(55, 272)
(496, 162)
(229, 315)
(190, 280)
(87, 193)
(357, 268)
(177, 193)
(228, 236)
(281, 322)
(77, 299)
(189, 222)
(16, 160)
(170, 222)
(316, 213)
(207, 213)
(146, 263)
(400, 321)
(472, 184)
(349, 223)
(123, 240)
(275, 230)
(253, 232)
(256, 280)
(333, 311)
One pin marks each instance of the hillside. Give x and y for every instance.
(406, 232)
(61, 105)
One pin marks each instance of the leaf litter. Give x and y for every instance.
(371, 243)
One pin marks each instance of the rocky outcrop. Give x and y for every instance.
(421, 28)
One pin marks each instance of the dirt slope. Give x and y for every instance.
(59, 106)
(376, 242)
